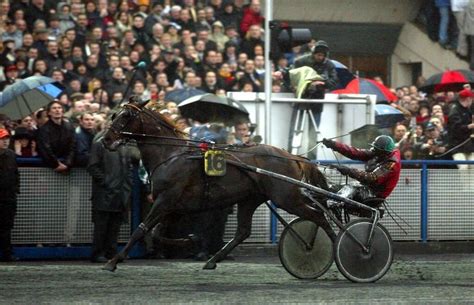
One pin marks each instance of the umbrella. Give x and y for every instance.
(368, 86)
(180, 95)
(451, 80)
(212, 108)
(343, 74)
(387, 116)
(28, 95)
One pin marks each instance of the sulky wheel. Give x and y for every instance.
(356, 264)
(310, 260)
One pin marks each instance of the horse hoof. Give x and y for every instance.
(110, 266)
(210, 266)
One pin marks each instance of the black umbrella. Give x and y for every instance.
(212, 108)
(180, 95)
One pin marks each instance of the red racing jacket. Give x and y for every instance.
(381, 173)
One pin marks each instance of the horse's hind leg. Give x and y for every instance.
(244, 226)
(307, 212)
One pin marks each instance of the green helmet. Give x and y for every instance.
(384, 143)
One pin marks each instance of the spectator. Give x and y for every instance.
(138, 29)
(84, 135)
(203, 35)
(468, 30)
(37, 10)
(460, 128)
(11, 74)
(252, 39)
(185, 21)
(242, 133)
(431, 144)
(400, 136)
(444, 7)
(229, 16)
(251, 16)
(218, 35)
(423, 114)
(56, 140)
(12, 33)
(117, 83)
(24, 143)
(9, 188)
(251, 76)
(231, 32)
(202, 22)
(211, 83)
(41, 117)
(154, 17)
(65, 17)
(319, 61)
(111, 173)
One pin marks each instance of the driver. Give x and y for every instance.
(382, 169)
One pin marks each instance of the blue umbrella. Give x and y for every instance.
(180, 95)
(343, 73)
(387, 116)
(28, 95)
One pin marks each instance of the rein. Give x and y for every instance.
(188, 143)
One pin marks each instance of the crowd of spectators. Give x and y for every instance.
(436, 126)
(93, 47)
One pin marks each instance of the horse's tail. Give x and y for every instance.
(314, 176)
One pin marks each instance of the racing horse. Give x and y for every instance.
(179, 184)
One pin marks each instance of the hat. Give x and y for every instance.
(429, 126)
(218, 23)
(175, 25)
(466, 93)
(22, 133)
(230, 26)
(54, 17)
(4, 133)
(6, 40)
(11, 68)
(143, 2)
(77, 96)
(321, 47)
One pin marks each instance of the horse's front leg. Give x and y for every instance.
(137, 235)
(152, 219)
(244, 226)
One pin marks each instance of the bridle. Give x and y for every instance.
(136, 111)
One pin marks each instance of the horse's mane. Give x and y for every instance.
(167, 123)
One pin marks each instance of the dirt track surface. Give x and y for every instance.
(247, 280)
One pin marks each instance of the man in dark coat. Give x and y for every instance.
(460, 128)
(84, 136)
(9, 187)
(317, 60)
(111, 173)
(56, 140)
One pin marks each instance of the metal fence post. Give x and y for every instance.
(138, 250)
(424, 202)
(273, 225)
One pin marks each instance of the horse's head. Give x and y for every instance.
(136, 121)
(127, 119)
